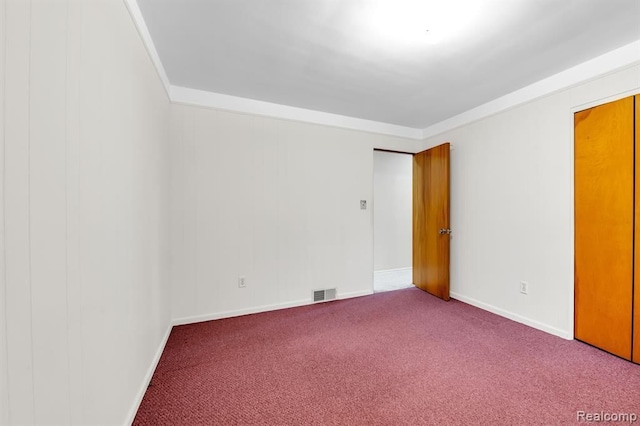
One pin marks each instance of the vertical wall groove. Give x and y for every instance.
(4, 366)
(47, 209)
(33, 376)
(66, 203)
(19, 340)
(77, 348)
(74, 293)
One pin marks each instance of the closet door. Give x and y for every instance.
(636, 305)
(604, 229)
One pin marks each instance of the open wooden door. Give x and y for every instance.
(431, 233)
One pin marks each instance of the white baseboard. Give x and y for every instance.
(514, 317)
(392, 279)
(147, 378)
(218, 315)
(355, 294)
(266, 308)
(259, 309)
(385, 271)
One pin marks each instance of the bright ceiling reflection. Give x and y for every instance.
(416, 21)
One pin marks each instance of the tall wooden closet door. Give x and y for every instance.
(636, 304)
(604, 192)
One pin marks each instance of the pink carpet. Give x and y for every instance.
(395, 358)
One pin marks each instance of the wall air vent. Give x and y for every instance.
(324, 295)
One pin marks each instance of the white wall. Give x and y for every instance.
(85, 206)
(4, 391)
(277, 202)
(273, 200)
(85, 143)
(392, 210)
(512, 204)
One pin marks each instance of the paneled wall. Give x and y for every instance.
(99, 172)
(84, 289)
(275, 201)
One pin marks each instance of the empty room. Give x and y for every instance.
(202, 202)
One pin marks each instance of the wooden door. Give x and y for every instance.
(636, 304)
(604, 230)
(430, 216)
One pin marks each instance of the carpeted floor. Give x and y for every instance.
(394, 358)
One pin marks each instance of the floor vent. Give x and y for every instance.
(324, 295)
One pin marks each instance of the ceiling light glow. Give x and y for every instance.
(410, 21)
(433, 36)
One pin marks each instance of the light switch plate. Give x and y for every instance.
(524, 287)
(363, 204)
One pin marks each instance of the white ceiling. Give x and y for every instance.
(345, 56)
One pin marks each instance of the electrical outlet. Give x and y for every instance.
(363, 204)
(242, 282)
(524, 287)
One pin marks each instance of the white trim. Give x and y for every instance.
(514, 317)
(353, 294)
(614, 60)
(238, 312)
(392, 279)
(601, 101)
(147, 378)
(382, 271)
(260, 309)
(141, 26)
(186, 96)
(570, 125)
(570, 314)
(608, 62)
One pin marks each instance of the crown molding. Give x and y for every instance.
(186, 96)
(622, 57)
(141, 26)
(183, 95)
(614, 60)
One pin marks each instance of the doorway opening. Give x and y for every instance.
(392, 220)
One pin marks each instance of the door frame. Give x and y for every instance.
(373, 234)
(413, 154)
(572, 198)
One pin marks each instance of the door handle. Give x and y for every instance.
(445, 231)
